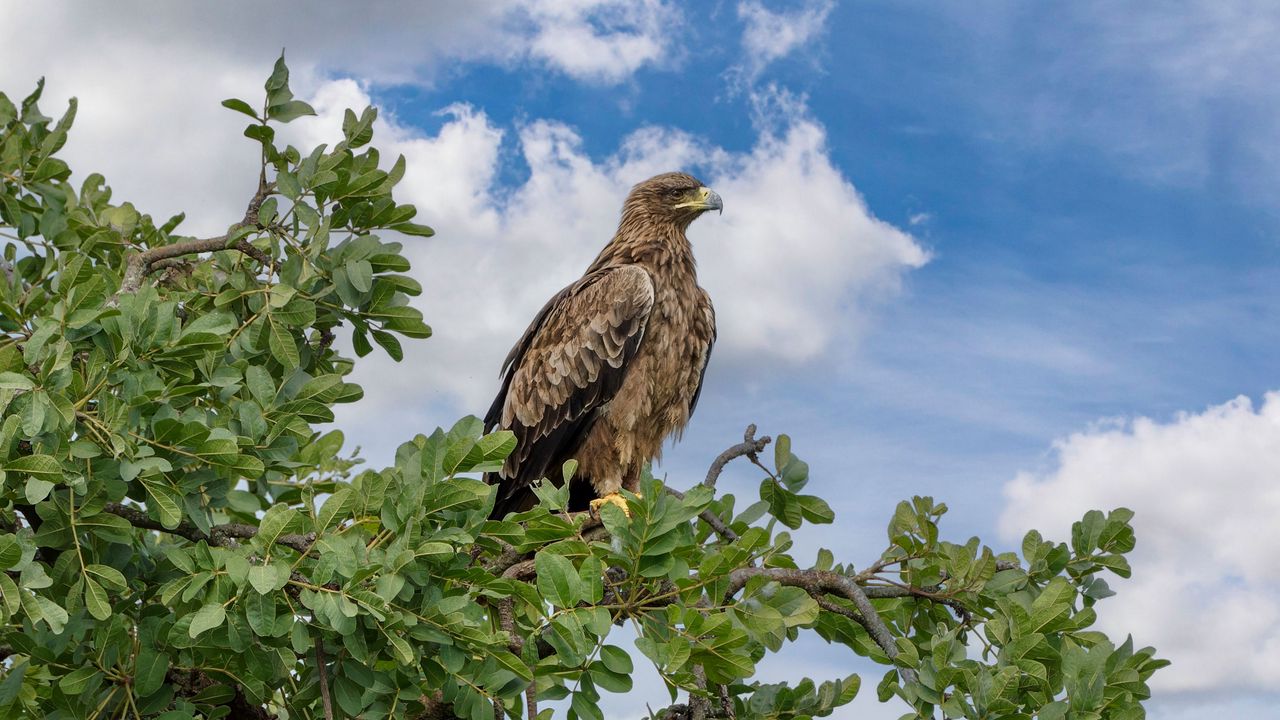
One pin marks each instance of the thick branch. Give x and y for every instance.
(699, 706)
(140, 264)
(818, 582)
(218, 534)
(435, 708)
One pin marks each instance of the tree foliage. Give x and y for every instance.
(179, 539)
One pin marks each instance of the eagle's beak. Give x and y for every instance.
(704, 199)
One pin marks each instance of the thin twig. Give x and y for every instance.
(323, 674)
(749, 447)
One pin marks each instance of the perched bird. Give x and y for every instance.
(612, 364)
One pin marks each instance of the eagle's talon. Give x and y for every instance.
(610, 499)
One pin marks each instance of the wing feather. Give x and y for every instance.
(569, 363)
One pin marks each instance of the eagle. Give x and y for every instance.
(613, 364)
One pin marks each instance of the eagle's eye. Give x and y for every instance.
(674, 192)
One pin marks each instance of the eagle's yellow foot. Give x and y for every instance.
(611, 499)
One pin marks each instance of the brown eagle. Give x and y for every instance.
(612, 364)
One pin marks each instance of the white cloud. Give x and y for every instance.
(770, 35)
(601, 40)
(1206, 584)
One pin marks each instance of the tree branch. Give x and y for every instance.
(219, 535)
(749, 447)
(323, 674)
(140, 264)
(699, 706)
(435, 708)
(817, 582)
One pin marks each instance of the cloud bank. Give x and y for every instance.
(1206, 583)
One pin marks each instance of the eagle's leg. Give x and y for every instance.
(611, 499)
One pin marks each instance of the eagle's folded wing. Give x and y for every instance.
(570, 362)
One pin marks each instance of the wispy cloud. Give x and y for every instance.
(770, 35)
(1180, 95)
(603, 40)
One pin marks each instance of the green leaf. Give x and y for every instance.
(95, 599)
(401, 649)
(15, 381)
(44, 467)
(289, 185)
(815, 509)
(108, 576)
(558, 580)
(409, 228)
(616, 659)
(334, 507)
(165, 501)
(37, 490)
(282, 345)
(262, 578)
(207, 618)
(290, 110)
(585, 707)
(279, 77)
(389, 343)
(149, 671)
(260, 384)
(39, 607)
(75, 682)
(360, 274)
(606, 679)
(7, 114)
(10, 551)
(358, 131)
(240, 106)
(513, 663)
(274, 521)
(260, 611)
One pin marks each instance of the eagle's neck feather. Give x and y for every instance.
(660, 247)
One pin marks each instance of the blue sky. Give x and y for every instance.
(1022, 259)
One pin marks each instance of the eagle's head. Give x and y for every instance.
(673, 197)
